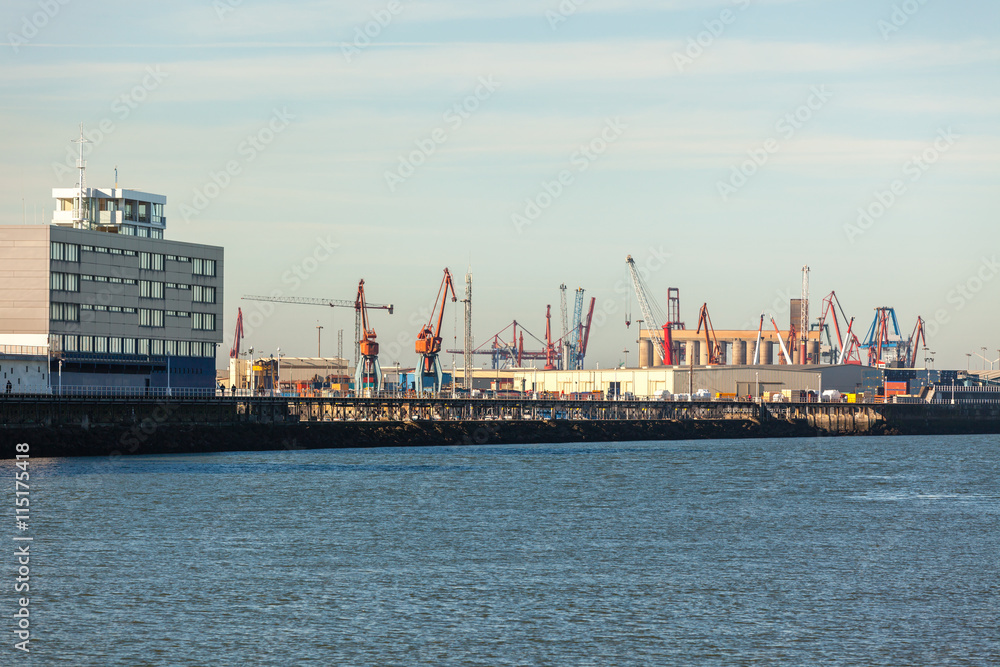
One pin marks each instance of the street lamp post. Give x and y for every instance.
(279, 371)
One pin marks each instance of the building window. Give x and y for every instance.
(101, 344)
(184, 348)
(156, 347)
(150, 318)
(203, 321)
(170, 348)
(202, 294)
(142, 344)
(142, 232)
(128, 230)
(156, 233)
(65, 312)
(65, 252)
(128, 346)
(86, 343)
(70, 343)
(115, 345)
(150, 290)
(65, 282)
(202, 267)
(150, 261)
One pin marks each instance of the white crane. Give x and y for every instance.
(649, 317)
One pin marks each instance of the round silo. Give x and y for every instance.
(645, 353)
(739, 357)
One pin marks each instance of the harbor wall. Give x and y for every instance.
(94, 429)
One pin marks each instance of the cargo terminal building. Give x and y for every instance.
(106, 300)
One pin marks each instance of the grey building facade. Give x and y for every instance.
(112, 302)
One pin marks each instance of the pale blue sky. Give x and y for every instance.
(222, 74)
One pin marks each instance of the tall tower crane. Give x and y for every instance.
(332, 303)
(368, 376)
(428, 343)
(658, 332)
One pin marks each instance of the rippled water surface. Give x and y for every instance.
(866, 551)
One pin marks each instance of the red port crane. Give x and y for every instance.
(428, 343)
(234, 353)
(368, 376)
(913, 343)
(715, 355)
(550, 350)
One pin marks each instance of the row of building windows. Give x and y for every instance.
(64, 312)
(149, 261)
(65, 282)
(109, 251)
(150, 290)
(110, 309)
(142, 346)
(65, 252)
(110, 279)
(203, 321)
(143, 232)
(148, 317)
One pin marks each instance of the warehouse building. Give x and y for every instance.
(652, 382)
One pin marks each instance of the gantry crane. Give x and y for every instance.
(428, 343)
(368, 376)
(332, 303)
(715, 355)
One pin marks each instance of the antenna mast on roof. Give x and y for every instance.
(80, 219)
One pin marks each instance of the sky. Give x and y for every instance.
(723, 144)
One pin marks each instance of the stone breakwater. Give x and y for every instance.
(181, 431)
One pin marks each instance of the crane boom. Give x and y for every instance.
(781, 342)
(309, 301)
(647, 313)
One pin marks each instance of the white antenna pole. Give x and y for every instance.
(80, 214)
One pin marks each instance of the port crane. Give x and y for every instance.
(715, 355)
(884, 340)
(913, 343)
(332, 303)
(234, 353)
(659, 333)
(428, 343)
(550, 350)
(781, 342)
(368, 376)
